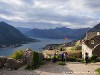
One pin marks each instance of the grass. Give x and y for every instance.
(98, 70)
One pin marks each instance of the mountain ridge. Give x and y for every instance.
(11, 36)
(57, 33)
(96, 28)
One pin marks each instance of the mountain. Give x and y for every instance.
(11, 36)
(57, 33)
(23, 30)
(95, 28)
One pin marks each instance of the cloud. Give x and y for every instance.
(93, 4)
(50, 13)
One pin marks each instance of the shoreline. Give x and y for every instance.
(57, 45)
(17, 45)
(40, 48)
(50, 45)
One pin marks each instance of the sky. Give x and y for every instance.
(46, 14)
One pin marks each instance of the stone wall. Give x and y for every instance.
(12, 63)
(3, 60)
(28, 55)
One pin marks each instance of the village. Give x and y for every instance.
(49, 62)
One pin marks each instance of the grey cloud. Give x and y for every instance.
(93, 3)
(37, 16)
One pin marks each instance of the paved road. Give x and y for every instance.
(71, 68)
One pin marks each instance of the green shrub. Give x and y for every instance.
(97, 60)
(92, 61)
(79, 59)
(83, 61)
(36, 62)
(17, 54)
(98, 70)
(72, 59)
(28, 67)
(62, 63)
(58, 57)
(94, 57)
(73, 48)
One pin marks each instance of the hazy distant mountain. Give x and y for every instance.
(95, 28)
(57, 33)
(11, 36)
(23, 30)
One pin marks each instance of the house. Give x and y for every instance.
(91, 46)
(91, 34)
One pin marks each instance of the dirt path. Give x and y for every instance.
(71, 68)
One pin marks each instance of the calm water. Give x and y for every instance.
(37, 46)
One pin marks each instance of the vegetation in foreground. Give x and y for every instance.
(98, 70)
(36, 62)
(32, 59)
(17, 54)
(62, 63)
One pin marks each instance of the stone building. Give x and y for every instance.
(91, 46)
(91, 34)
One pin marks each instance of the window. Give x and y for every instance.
(92, 41)
(98, 33)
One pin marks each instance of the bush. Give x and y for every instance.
(98, 70)
(79, 59)
(36, 62)
(72, 59)
(17, 54)
(58, 57)
(62, 63)
(97, 60)
(94, 57)
(92, 61)
(73, 48)
(83, 61)
(28, 67)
